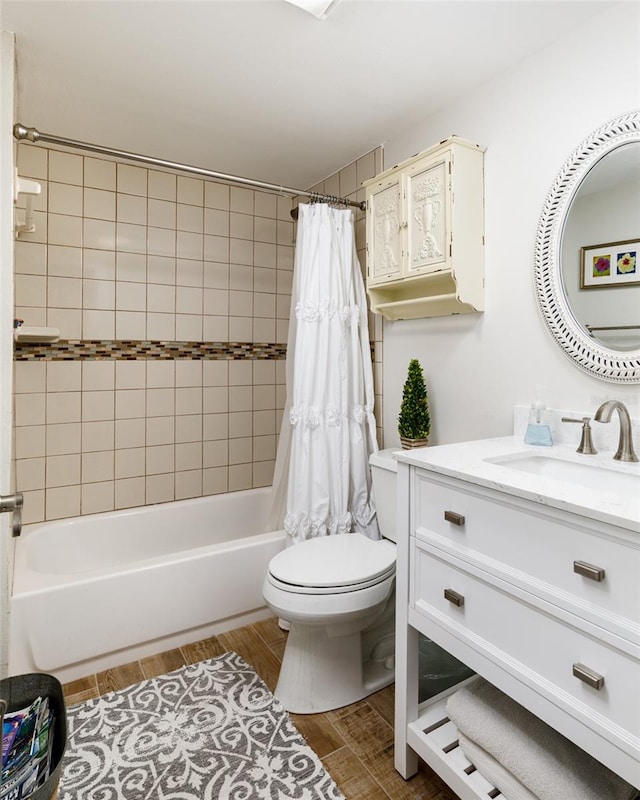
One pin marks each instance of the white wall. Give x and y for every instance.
(478, 366)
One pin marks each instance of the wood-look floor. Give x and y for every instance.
(355, 743)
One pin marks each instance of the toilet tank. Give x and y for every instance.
(384, 469)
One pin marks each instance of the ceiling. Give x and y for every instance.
(260, 88)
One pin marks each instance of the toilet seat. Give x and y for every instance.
(333, 565)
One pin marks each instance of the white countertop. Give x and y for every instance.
(468, 461)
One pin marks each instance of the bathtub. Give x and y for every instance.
(97, 591)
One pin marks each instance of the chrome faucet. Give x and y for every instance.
(625, 445)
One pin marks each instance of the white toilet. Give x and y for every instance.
(338, 594)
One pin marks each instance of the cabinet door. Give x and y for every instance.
(384, 232)
(428, 215)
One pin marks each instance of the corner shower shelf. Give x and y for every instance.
(435, 739)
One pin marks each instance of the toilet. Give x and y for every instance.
(338, 595)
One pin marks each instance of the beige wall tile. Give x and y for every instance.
(242, 200)
(215, 426)
(97, 294)
(98, 435)
(130, 403)
(162, 185)
(64, 292)
(240, 477)
(130, 433)
(188, 484)
(241, 450)
(160, 402)
(130, 374)
(216, 195)
(160, 430)
(98, 234)
(263, 473)
(98, 375)
(190, 300)
(97, 466)
(31, 290)
(160, 374)
(161, 269)
(62, 502)
(130, 462)
(132, 238)
(160, 459)
(63, 262)
(30, 258)
(97, 497)
(162, 214)
(215, 453)
(215, 480)
(62, 470)
(63, 438)
(65, 199)
(190, 245)
(130, 209)
(30, 474)
(30, 409)
(131, 325)
(63, 407)
(129, 492)
(65, 167)
(189, 456)
(29, 376)
(160, 488)
(215, 373)
(190, 190)
(98, 264)
(188, 428)
(215, 329)
(216, 275)
(99, 174)
(32, 161)
(132, 180)
(30, 441)
(98, 405)
(67, 321)
(131, 267)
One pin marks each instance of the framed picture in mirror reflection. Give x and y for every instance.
(610, 264)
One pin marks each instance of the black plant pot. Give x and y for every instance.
(20, 691)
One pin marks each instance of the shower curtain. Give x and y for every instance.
(322, 480)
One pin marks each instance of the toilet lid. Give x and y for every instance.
(346, 559)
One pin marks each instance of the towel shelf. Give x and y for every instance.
(435, 739)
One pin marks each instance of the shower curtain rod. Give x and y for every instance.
(33, 135)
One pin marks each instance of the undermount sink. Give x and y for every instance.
(624, 480)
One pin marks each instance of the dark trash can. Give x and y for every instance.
(19, 691)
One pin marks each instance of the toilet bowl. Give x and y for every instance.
(338, 595)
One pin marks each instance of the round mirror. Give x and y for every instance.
(587, 275)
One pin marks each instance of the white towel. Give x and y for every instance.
(543, 760)
(494, 772)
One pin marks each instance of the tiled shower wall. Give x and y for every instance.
(172, 299)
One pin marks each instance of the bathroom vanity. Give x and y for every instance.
(524, 563)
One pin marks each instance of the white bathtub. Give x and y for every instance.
(97, 591)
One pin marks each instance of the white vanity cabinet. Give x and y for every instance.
(542, 602)
(425, 233)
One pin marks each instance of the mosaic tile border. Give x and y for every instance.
(128, 350)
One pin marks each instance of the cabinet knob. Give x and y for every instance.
(588, 570)
(454, 597)
(588, 676)
(454, 518)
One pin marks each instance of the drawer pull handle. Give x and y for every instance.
(589, 677)
(588, 570)
(456, 519)
(454, 597)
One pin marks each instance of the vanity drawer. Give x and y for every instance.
(535, 544)
(511, 629)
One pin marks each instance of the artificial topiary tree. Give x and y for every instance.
(414, 421)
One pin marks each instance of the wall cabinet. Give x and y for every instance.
(425, 233)
(543, 603)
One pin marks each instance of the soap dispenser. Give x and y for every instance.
(538, 430)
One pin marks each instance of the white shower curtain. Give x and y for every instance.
(322, 480)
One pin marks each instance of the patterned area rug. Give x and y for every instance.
(208, 731)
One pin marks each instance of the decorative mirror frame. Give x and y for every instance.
(574, 340)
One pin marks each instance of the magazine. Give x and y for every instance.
(27, 739)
